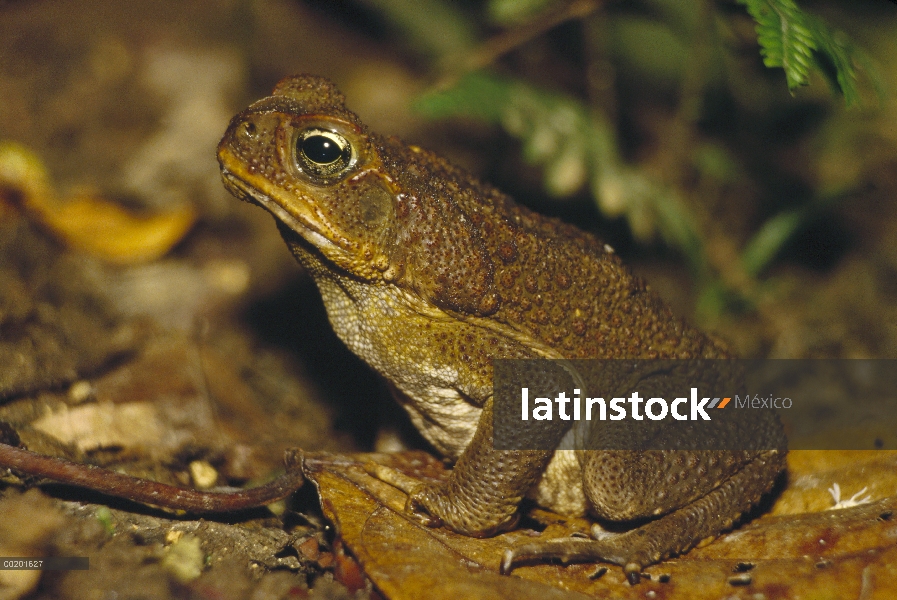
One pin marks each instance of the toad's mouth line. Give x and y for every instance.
(324, 246)
(307, 230)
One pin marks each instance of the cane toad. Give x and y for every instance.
(428, 275)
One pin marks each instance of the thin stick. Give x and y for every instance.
(492, 49)
(151, 492)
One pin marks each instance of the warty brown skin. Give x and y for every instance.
(429, 275)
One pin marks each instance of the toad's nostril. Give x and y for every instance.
(249, 129)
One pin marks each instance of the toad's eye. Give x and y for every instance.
(323, 153)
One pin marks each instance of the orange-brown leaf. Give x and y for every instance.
(845, 553)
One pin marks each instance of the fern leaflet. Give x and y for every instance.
(796, 41)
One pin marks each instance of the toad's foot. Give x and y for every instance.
(441, 504)
(629, 550)
(433, 505)
(405, 483)
(468, 515)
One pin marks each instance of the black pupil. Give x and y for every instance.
(321, 149)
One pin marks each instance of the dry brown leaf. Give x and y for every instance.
(152, 405)
(86, 222)
(402, 558)
(104, 425)
(812, 473)
(846, 553)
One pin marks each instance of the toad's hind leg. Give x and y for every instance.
(671, 534)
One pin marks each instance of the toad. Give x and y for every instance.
(430, 275)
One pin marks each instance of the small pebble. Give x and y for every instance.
(203, 474)
(185, 559)
(80, 391)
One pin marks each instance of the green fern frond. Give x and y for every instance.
(843, 56)
(795, 40)
(786, 39)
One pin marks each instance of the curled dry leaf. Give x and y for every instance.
(845, 553)
(84, 221)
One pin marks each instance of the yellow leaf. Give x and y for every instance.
(85, 222)
(110, 233)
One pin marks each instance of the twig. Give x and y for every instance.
(487, 52)
(151, 492)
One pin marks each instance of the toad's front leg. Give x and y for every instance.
(485, 488)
